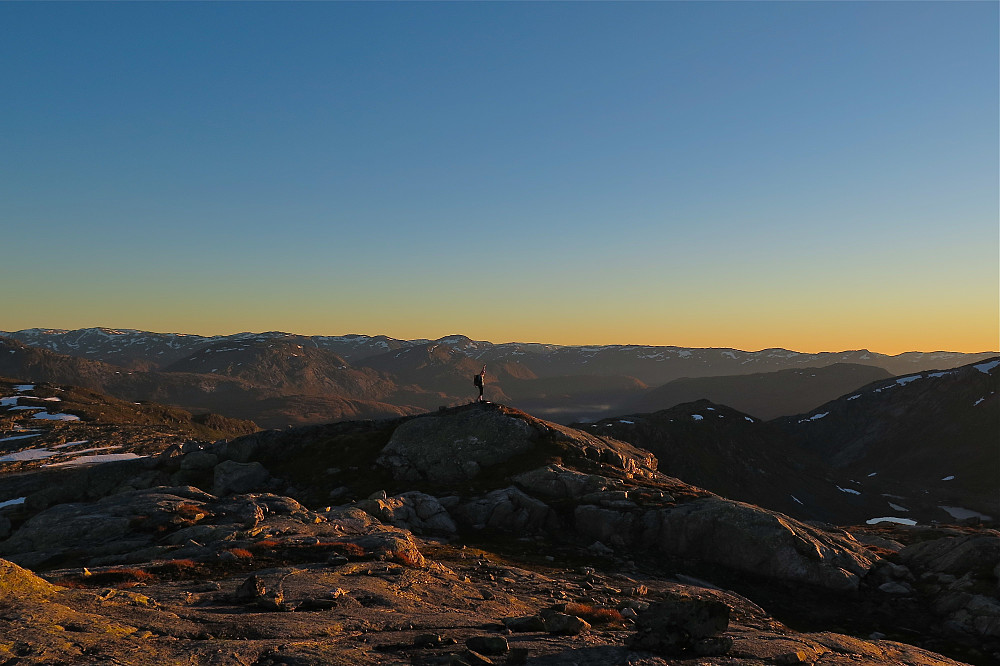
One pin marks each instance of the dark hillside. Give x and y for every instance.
(931, 439)
(765, 395)
(737, 456)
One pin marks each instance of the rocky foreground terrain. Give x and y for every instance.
(471, 535)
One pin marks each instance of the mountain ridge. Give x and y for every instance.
(359, 376)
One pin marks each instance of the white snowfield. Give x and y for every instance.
(891, 519)
(16, 437)
(960, 513)
(94, 460)
(56, 417)
(985, 368)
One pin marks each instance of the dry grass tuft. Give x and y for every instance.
(594, 614)
(266, 543)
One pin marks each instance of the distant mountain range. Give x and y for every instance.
(277, 379)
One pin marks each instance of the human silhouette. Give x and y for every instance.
(480, 380)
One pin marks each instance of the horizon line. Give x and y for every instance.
(522, 342)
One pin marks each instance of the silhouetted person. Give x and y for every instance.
(480, 380)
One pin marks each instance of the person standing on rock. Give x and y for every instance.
(480, 380)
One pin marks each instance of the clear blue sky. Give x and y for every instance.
(807, 175)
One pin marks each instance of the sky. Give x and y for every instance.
(814, 176)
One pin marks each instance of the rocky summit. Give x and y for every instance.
(470, 535)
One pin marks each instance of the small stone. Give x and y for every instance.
(801, 656)
(489, 645)
(565, 625)
(715, 646)
(517, 656)
(428, 640)
(895, 588)
(599, 549)
(252, 589)
(524, 624)
(473, 658)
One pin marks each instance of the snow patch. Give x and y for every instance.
(68, 444)
(698, 417)
(948, 478)
(872, 474)
(57, 417)
(906, 380)
(94, 460)
(796, 499)
(13, 502)
(890, 519)
(854, 397)
(896, 507)
(986, 367)
(24, 387)
(29, 454)
(626, 422)
(848, 490)
(960, 513)
(11, 439)
(976, 403)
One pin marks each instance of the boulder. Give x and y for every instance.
(455, 448)
(415, 511)
(557, 482)
(19, 583)
(565, 624)
(747, 538)
(199, 461)
(524, 624)
(607, 526)
(232, 477)
(957, 555)
(682, 624)
(488, 645)
(117, 524)
(508, 510)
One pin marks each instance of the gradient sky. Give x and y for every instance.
(815, 176)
